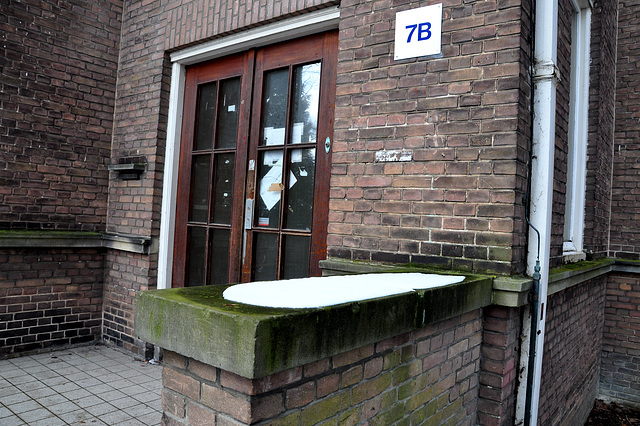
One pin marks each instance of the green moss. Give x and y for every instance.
(584, 265)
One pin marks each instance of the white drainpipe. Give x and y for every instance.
(545, 78)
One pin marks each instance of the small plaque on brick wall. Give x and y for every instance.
(394, 155)
(418, 32)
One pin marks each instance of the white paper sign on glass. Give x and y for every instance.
(418, 32)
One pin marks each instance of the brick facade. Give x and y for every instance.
(571, 360)
(620, 372)
(457, 204)
(625, 234)
(429, 376)
(49, 298)
(602, 115)
(57, 92)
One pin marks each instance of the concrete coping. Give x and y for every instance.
(73, 239)
(254, 341)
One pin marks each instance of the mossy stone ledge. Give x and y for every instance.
(254, 341)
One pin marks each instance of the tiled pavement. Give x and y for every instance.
(92, 385)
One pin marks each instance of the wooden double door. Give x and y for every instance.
(253, 182)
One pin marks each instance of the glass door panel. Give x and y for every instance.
(227, 128)
(223, 188)
(306, 98)
(274, 107)
(296, 256)
(302, 169)
(200, 188)
(219, 256)
(206, 116)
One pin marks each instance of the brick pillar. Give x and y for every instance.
(498, 370)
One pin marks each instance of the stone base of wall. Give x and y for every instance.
(429, 376)
(49, 298)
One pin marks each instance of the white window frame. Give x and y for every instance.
(295, 27)
(573, 249)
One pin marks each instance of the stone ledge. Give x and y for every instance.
(511, 292)
(254, 342)
(70, 239)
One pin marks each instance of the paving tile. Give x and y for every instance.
(4, 412)
(22, 379)
(111, 395)
(88, 401)
(100, 409)
(12, 420)
(151, 419)
(23, 407)
(123, 403)
(76, 394)
(14, 398)
(62, 408)
(115, 417)
(34, 415)
(99, 389)
(76, 417)
(41, 392)
(51, 400)
(147, 397)
(49, 421)
(55, 381)
(32, 386)
(65, 387)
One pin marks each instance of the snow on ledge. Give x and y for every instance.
(319, 292)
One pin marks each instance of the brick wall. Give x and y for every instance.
(602, 83)
(625, 233)
(458, 203)
(500, 355)
(125, 275)
(58, 64)
(49, 298)
(571, 359)
(428, 376)
(620, 372)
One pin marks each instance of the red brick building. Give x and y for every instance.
(156, 144)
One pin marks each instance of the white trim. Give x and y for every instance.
(578, 128)
(297, 26)
(170, 181)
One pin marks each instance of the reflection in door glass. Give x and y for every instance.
(274, 107)
(219, 257)
(270, 189)
(302, 167)
(206, 116)
(228, 108)
(200, 188)
(265, 257)
(306, 98)
(296, 256)
(223, 188)
(197, 238)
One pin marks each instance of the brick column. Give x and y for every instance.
(500, 346)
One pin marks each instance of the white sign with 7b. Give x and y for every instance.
(418, 32)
